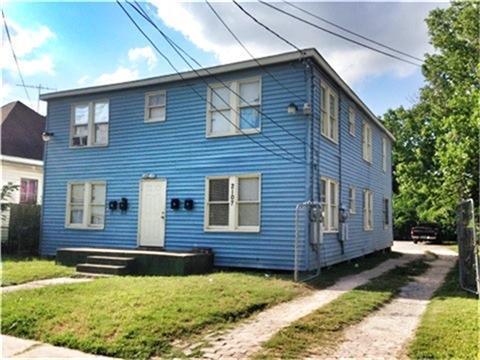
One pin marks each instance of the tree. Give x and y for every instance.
(6, 195)
(437, 150)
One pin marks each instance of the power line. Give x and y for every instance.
(249, 53)
(349, 31)
(328, 31)
(178, 48)
(195, 90)
(14, 55)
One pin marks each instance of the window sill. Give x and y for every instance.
(238, 230)
(245, 132)
(155, 120)
(369, 162)
(370, 229)
(332, 140)
(83, 227)
(330, 231)
(88, 146)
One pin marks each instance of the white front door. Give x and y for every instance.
(151, 217)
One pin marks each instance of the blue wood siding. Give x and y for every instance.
(178, 151)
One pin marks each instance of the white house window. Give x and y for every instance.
(329, 201)
(90, 124)
(367, 142)
(352, 200)
(384, 154)
(367, 210)
(329, 110)
(155, 106)
(351, 121)
(86, 205)
(386, 212)
(232, 203)
(229, 114)
(28, 191)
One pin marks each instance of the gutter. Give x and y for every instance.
(21, 160)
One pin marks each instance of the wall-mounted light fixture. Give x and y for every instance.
(292, 108)
(307, 109)
(47, 136)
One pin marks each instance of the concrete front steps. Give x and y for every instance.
(109, 265)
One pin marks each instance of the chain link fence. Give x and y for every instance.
(468, 247)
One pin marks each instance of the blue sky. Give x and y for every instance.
(69, 44)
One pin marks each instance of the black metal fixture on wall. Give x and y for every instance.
(113, 204)
(175, 204)
(123, 204)
(188, 204)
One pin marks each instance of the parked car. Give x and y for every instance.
(425, 232)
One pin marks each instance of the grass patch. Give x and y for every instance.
(138, 317)
(449, 329)
(324, 327)
(20, 270)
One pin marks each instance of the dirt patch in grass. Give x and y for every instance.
(16, 271)
(450, 327)
(323, 329)
(138, 317)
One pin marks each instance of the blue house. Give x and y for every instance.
(221, 161)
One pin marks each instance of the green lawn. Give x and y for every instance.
(324, 328)
(137, 317)
(450, 327)
(19, 270)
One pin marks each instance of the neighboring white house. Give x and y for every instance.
(22, 154)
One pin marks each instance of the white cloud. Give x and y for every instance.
(400, 25)
(83, 80)
(146, 53)
(26, 43)
(120, 75)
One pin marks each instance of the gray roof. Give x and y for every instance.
(215, 70)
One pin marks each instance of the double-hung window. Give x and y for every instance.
(155, 106)
(329, 201)
(232, 203)
(329, 113)
(28, 191)
(86, 205)
(386, 212)
(384, 155)
(352, 200)
(233, 108)
(351, 121)
(90, 124)
(367, 142)
(368, 210)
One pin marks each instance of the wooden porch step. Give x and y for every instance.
(110, 260)
(102, 269)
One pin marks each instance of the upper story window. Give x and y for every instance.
(384, 155)
(329, 201)
(28, 191)
(229, 114)
(86, 204)
(329, 110)
(90, 124)
(233, 203)
(351, 121)
(367, 142)
(155, 106)
(368, 210)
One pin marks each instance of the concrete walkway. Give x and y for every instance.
(384, 334)
(42, 283)
(15, 348)
(247, 338)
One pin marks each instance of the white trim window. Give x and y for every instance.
(232, 203)
(90, 124)
(155, 106)
(229, 114)
(367, 142)
(351, 121)
(329, 201)
(368, 210)
(386, 212)
(329, 113)
(352, 201)
(86, 205)
(384, 155)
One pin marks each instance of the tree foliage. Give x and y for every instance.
(437, 152)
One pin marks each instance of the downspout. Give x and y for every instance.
(44, 176)
(340, 234)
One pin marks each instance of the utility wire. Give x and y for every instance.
(178, 48)
(335, 34)
(249, 53)
(196, 91)
(349, 31)
(14, 55)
